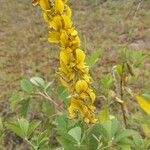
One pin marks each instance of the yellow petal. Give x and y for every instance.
(144, 103)
(72, 32)
(68, 11)
(45, 5)
(46, 18)
(64, 67)
(65, 57)
(59, 6)
(64, 83)
(80, 55)
(92, 96)
(54, 37)
(83, 96)
(86, 120)
(56, 23)
(64, 39)
(67, 22)
(81, 86)
(86, 77)
(74, 108)
(76, 42)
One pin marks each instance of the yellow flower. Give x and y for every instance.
(67, 22)
(54, 37)
(59, 6)
(81, 86)
(66, 57)
(56, 23)
(80, 56)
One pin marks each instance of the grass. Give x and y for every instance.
(104, 25)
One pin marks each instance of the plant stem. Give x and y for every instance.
(121, 97)
(28, 142)
(46, 96)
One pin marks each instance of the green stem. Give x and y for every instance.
(121, 97)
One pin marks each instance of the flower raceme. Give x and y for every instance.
(74, 74)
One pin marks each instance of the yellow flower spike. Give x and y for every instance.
(81, 86)
(59, 6)
(54, 37)
(45, 4)
(143, 103)
(74, 74)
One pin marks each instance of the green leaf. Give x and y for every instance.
(26, 86)
(47, 108)
(111, 127)
(75, 133)
(138, 142)
(104, 115)
(24, 124)
(124, 134)
(23, 128)
(147, 144)
(107, 82)
(61, 122)
(119, 69)
(93, 59)
(15, 99)
(146, 96)
(25, 107)
(63, 93)
(32, 126)
(125, 146)
(37, 81)
(16, 129)
(67, 141)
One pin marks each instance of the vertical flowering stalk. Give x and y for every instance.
(74, 73)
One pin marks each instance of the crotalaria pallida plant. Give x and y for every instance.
(73, 71)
